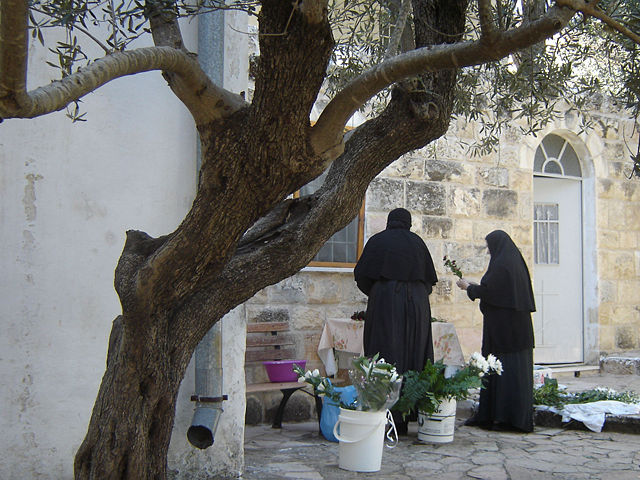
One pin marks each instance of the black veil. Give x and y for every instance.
(507, 279)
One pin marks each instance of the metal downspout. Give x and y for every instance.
(208, 355)
(208, 396)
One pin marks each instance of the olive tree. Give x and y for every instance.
(243, 226)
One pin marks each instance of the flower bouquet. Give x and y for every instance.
(376, 382)
(360, 425)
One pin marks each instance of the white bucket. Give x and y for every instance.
(361, 437)
(439, 427)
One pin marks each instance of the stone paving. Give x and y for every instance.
(298, 451)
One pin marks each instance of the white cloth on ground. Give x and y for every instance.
(593, 414)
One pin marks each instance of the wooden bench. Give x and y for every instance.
(271, 341)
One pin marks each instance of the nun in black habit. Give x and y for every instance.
(506, 303)
(396, 271)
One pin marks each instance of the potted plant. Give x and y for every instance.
(360, 426)
(434, 393)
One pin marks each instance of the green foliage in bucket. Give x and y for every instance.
(321, 385)
(376, 382)
(424, 391)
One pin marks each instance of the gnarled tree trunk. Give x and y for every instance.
(174, 288)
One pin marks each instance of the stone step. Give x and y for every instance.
(576, 369)
(612, 423)
(627, 363)
(546, 418)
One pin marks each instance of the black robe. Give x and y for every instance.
(396, 271)
(506, 303)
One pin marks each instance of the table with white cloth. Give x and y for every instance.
(446, 346)
(341, 341)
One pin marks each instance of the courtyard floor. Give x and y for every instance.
(298, 451)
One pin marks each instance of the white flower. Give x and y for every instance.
(321, 387)
(301, 379)
(394, 375)
(475, 359)
(483, 365)
(479, 362)
(316, 373)
(605, 390)
(494, 363)
(498, 367)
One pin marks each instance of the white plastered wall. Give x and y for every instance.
(68, 193)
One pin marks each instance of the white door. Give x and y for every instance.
(557, 270)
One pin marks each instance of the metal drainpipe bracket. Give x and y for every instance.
(198, 398)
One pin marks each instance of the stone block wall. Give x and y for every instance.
(455, 200)
(618, 235)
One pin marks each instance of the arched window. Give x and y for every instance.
(556, 156)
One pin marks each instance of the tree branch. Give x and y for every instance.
(219, 103)
(303, 225)
(264, 255)
(95, 39)
(290, 69)
(487, 27)
(396, 36)
(326, 135)
(591, 10)
(315, 11)
(201, 98)
(13, 54)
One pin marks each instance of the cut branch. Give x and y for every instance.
(202, 97)
(326, 134)
(59, 94)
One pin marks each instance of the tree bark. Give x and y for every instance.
(133, 415)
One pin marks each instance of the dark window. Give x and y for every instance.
(344, 247)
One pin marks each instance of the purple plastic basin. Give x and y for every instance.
(282, 370)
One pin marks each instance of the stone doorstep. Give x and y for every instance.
(575, 369)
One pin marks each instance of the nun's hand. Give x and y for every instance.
(462, 284)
